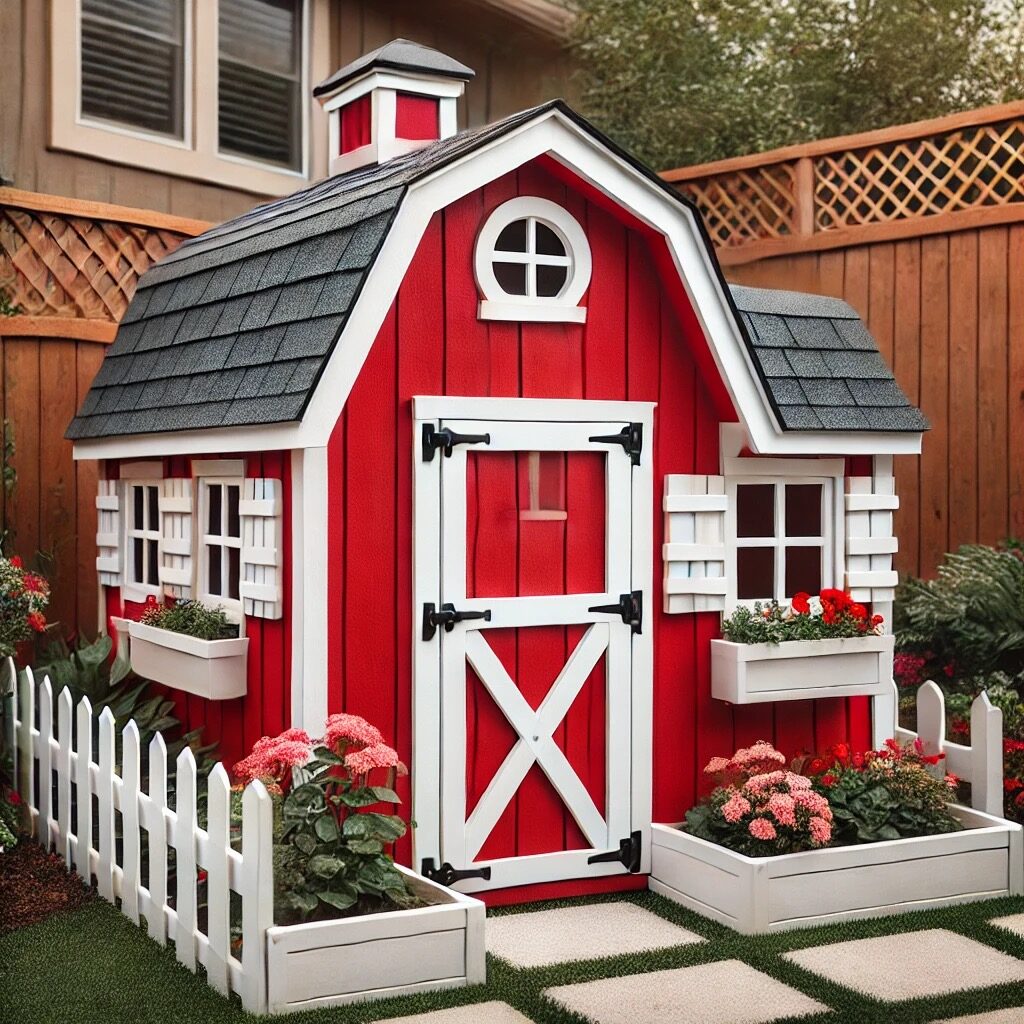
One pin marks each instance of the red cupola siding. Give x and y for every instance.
(473, 439)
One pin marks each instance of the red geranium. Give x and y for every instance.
(801, 603)
(839, 599)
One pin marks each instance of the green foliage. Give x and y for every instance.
(685, 81)
(774, 623)
(193, 619)
(8, 308)
(329, 851)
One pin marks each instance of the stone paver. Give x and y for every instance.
(925, 963)
(1014, 923)
(541, 937)
(1011, 1015)
(725, 992)
(478, 1013)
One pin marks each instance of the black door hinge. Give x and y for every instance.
(628, 854)
(446, 440)
(447, 616)
(447, 875)
(629, 606)
(631, 437)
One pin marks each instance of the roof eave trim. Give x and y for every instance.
(206, 441)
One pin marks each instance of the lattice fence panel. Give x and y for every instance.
(981, 165)
(744, 206)
(56, 265)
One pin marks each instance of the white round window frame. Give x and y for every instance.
(496, 303)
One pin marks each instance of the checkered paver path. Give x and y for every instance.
(1011, 1015)
(477, 1013)
(1013, 923)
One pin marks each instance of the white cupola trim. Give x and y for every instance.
(392, 101)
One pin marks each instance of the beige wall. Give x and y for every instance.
(515, 67)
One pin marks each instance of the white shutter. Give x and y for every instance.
(694, 549)
(870, 542)
(260, 586)
(176, 536)
(108, 533)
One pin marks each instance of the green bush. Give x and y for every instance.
(193, 619)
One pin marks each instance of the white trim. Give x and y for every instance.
(499, 304)
(153, 470)
(225, 540)
(218, 467)
(149, 533)
(558, 410)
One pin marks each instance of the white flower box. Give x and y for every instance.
(399, 952)
(214, 669)
(801, 669)
(757, 895)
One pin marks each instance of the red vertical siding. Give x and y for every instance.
(416, 117)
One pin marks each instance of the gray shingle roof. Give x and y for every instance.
(820, 367)
(398, 55)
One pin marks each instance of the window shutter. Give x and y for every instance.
(108, 533)
(870, 543)
(261, 584)
(175, 506)
(694, 549)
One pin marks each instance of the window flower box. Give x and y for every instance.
(801, 669)
(214, 669)
(758, 895)
(399, 952)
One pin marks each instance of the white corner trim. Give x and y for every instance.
(218, 467)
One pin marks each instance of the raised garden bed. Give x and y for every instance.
(801, 669)
(756, 895)
(400, 952)
(214, 669)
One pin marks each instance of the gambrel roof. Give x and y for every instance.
(236, 327)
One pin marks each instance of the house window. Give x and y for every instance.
(220, 550)
(532, 263)
(142, 541)
(780, 538)
(212, 90)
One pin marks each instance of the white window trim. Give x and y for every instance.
(132, 589)
(232, 607)
(497, 304)
(196, 155)
(827, 472)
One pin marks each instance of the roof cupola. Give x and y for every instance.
(396, 99)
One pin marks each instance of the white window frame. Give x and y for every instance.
(232, 607)
(498, 304)
(133, 589)
(197, 154)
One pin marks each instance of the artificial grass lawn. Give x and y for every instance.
(92, 966)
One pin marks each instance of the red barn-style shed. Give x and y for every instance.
(473, 438)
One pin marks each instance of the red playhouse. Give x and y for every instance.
(473, 438)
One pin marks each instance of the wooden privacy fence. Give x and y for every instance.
(142, 853)
(69, 269)
(920, 228)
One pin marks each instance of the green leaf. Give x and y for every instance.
(385, 827)
(338, 899)
(368, 846)
(304, 842)
(326, 828)
(384, 795)
(327, 755)
(324, 865)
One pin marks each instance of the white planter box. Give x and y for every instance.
(214, 669)
(756, 895)
(801, 669)
(399, 952)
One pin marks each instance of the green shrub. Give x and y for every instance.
(191, 618)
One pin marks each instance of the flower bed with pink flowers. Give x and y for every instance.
(840, 836)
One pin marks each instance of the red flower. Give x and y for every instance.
(949, 669)
(828, 779)
(838, 598)
(877, 620)
(201, 875)
(858, 611)
(801, 603)
(1012, 785)
(16, 562)
(816, 766)
(34, 584)
(13, 799)
(828, 616)
(36, 621)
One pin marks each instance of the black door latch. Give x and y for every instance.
(446, 617)
(629, 606)
(628, 854)
(631, 437)
(445, 440)
(447, 875)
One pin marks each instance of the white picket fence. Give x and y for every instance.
(68, 763)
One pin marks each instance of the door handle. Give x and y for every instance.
(446, 617)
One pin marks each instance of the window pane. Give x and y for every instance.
(133, 63)
(260, 80)
(803, 510)
(803, 570)
(152, 563)
(138, 560)
(511, 277)
(213, 492)
(512, 237)
(755, 510)
(213, 575)
(234, 558)
(548, 242)
(755, 574)
(153, 522)
(551, 280)
(234, 522)
(138, 509)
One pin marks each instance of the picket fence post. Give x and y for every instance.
(185, 862)
(130, 769)
(83, 788)
(986, 756)
(105, 803)
(218, 878)
(26, 701)
(45, 755)
(257, 889)
(64, 749)
(156, 919)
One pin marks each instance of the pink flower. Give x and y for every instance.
(796, 782)
(762, 828)
(821, 831)
(716, 765)
(379, 755)
(813, 802)
(272, 758)
(782, 808)
(735, 807)
(759, 783)
(342, 728)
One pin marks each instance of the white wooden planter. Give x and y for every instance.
(756, 895)
(328, 963)
(214, 669)
(801, 669)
